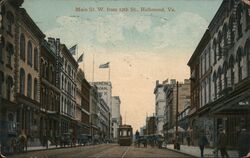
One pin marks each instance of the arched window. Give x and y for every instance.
(231, 67)
(62, 82)
(1, 82)
(10, 22)
(225, 74)
(22, 81)
(247, 16)
(9, 83)
(220, 80)
(219, 40)
(215, 50)
(231, 31)
(30, 53)
(247, 53)
(10, 52)
(35, 89)
(239, 16)
(239, 63)
(29, 86)
(215, 85)
(36, 60)
(22, 47)
(224, 31)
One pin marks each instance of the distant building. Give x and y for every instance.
(151, 125)
(160, 105)
(116, 116)
(94, 111)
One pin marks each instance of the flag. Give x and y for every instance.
(80, 59)
(72, 50)
(104, 65)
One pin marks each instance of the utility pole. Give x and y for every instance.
(176, 122)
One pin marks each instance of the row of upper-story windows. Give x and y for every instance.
(30, 52)
(68, 86)
(226, 36)
(48, 71)
(30, 84)
(68, 69)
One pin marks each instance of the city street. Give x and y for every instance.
(103, 150)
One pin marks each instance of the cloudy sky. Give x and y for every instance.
(141, 46)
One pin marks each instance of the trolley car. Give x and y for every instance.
(125, 135)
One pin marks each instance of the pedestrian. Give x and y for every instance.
(202, 142)
(137, 138)
(188, 140)
(222, 143)
(243, 143)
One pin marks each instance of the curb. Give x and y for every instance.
(35, 150)
(178, 151)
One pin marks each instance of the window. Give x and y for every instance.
(29, 86)
(247, 15)
(1, 82)
(215, 51)
(247, 52)
(22, 81)
(1, 52)
(29, 53)
(231, 67)
(224, 30)
(225, 74)
(10, 52)
(36, 59)
(219, 45)
(22, 47)
(9, 84)
(10, 22)
(239, 63)
(231, 30)
(239, 20)
(220, 80)
(35, 89)
(215, 85)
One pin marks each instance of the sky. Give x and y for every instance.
(141, 45)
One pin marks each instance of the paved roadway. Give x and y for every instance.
(102, 151)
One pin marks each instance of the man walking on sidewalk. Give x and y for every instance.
(222, 143)
(202, 142)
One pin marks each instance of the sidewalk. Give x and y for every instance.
(195, 151)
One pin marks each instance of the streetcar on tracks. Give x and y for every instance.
(125, 135)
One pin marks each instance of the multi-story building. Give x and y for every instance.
(183, 97)
(224, 85)
(104, 120)
(86, 87)
(94, 111)
(82, 104)
(105, 89)
(116, 115)
(151, 125)
(68, 92)
(160, 104)
(49, 91)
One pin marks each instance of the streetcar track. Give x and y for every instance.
(125, 152)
